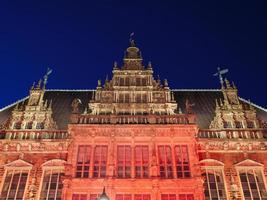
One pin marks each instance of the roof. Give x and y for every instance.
(204, 107)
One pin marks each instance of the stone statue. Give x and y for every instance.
(76, 105)
(188, 107)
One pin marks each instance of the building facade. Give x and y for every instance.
(136, 138)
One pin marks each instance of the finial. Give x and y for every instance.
(180, 110)
(158, 79)
(216, 103)
(39, 84)
(233, 85)
(220, 73)
(149, 66)
(45, 104)
(132, 40)
(99, 83)
(166, 83)
(227, 83)
(115, 65)
(49, 71)
(85, 111)
(33, 85)
(172, 96)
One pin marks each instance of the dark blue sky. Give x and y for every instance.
(185, 40)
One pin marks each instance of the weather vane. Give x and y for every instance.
(49, 71)
(220, 73)
(131, 39)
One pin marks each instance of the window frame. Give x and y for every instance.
(17, 165)
(54, 164)
(258, 168)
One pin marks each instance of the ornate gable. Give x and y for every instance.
(19, 163)
(249, 163)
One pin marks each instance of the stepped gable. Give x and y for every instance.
(204, 107)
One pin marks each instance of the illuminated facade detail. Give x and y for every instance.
(136, 138)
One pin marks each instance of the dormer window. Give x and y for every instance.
(238, 124)
(29, 125)
(227, 124)
(250, 124)
(40, 125)
(17, 125)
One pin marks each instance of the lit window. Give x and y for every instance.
(182, 161)
(123, 197)
(124, 161)
(83, 161)
(252, 184)
(100, 161)
(165, 161)
(214, 184)
(94, 196)
(141, 161)
(141, 197)
(14, 184)
(79, 197)
(51, 185)
(168, 197)
(187, 197)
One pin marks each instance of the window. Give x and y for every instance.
(168, 197)
(250, 124)
(123, 197)
(141, 197)
(214, 184)
(79, 197)
(124, 158)
(127, 98)
(141, 161)
(138, 98)
(182, 161)
(238, 124)
(40, 125)
(29, 125)
(94, 196)
(100, 161)
(186, 197)
(252, 184)
(83, 161)
(52, 185)
(14, 184)
(165, 161)
(17, 125)
(227, 124)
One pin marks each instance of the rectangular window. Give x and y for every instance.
(124, 157)
(227, 124)
(14, 185)
(250, 124)
(52, 185)
(168, 197)
(165, 161)
(238, 124)
(252, 184)
(186, 197)
(94, 196)
(182, 161)
(79, 197)
(141, 161)
(123, 197)
(127, 98)
(142, 197)
(83, 161)
(138, 81)
(138, 98)
(100, 161)
(214, 184)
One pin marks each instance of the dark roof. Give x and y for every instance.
(204, 101)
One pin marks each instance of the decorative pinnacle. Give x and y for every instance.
(49, 71)
(132, 40)
(220, 73)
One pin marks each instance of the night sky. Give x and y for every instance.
(185, 41)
